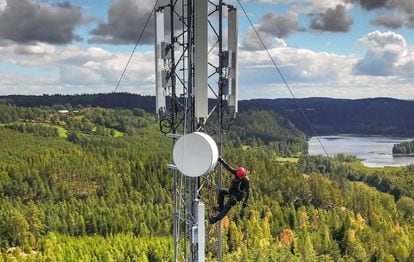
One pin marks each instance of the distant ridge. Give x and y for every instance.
(110, 100)
(369, 116)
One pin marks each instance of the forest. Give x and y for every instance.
(92, 184)
(329, 116)
(404, 148)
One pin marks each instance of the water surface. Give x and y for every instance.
(376, 151)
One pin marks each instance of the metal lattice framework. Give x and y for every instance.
(196, 78)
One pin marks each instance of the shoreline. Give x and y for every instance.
(397, 136)
(403, 155)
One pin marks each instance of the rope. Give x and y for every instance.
(283, 78)
(135, 47)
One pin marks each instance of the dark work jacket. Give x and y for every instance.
(239, 187)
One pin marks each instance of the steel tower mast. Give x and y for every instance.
(196, 90)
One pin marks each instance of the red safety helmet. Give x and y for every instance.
(241, 172)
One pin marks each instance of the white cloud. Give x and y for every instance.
(387, 69)
(309, 73)
(102, 70)
(275, 1)
(329, 3)
(319, 74)
(306, 6)
(12, 83)
(91, 70)
(77, 55)
(388, 54)
(76, 69)
(300, 64)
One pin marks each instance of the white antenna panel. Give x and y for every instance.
(201, 58)
(195, 154)
(233, 49)
(159, 63)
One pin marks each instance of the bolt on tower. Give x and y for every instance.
(196, 90)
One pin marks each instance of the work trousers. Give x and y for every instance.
(225, 208)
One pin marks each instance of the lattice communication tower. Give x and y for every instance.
(196, 90)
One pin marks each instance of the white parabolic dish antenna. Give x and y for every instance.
(195, 154)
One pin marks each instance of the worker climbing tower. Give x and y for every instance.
(196, 94)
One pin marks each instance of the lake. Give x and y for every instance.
(376, 151)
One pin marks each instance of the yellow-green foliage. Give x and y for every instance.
(93, 197)
(122, 247)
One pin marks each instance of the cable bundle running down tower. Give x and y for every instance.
(196, 90)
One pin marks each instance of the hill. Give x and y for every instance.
(376, 116)
(94, 185)
(111, 100)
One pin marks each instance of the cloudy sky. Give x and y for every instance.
(331, 48)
